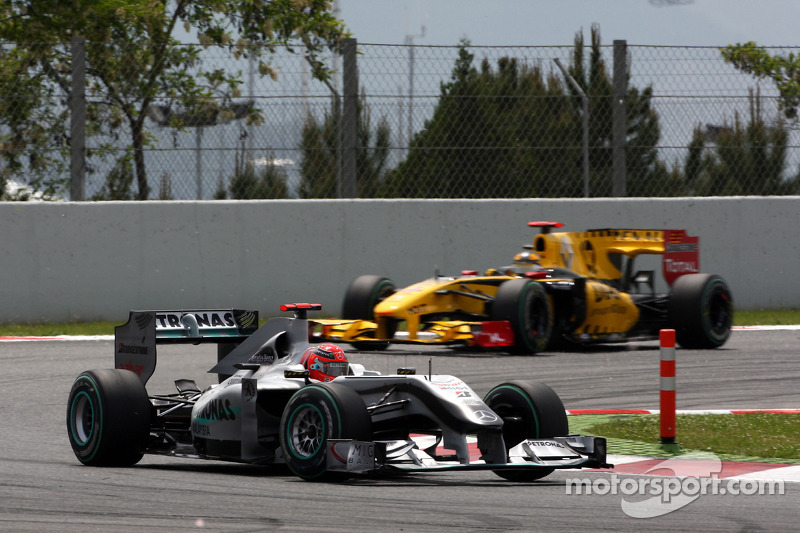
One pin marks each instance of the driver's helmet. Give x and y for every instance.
(325, 362)
(527, 260)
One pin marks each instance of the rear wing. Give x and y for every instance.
(681, 255)
(597, 253)
(135, 341)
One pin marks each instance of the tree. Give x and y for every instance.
(645, 173)
(118, 184)
(31, 135)
(134, 61)
(514, 131)
(766, 145)
(784, 71)
(320, 145)
(741, 159)
(478, 130)
(248, 183)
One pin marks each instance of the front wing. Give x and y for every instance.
(569, 452)
(487, 334)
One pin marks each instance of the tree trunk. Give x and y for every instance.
(143, 190)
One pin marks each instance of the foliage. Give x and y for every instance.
(118, 185)
(512, 125)
(165, 187)
(248, 183)
(645, 173)
(740, 159)
(784, 71)
(33, 137)
(757, 149)
(321, 151)
(135, 66)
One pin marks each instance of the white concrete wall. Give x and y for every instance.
(95, 261)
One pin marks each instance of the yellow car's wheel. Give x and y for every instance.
(524, 304)
(701, 311)
(360, 299)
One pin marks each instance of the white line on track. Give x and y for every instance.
(59, 338)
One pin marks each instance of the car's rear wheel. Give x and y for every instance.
(108, 417)
(525, 305)
(701, 311)
(529, 410)
(360, 299)
(315, 414)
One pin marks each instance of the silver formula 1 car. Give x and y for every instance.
(283, 401)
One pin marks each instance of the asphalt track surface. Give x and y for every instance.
(44, 488)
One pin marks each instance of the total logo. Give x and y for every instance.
(680, 266)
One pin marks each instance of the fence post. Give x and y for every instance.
(77, 104)
(350, 119)
(667, 386)
(619, 119)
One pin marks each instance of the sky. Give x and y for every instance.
(555, 22)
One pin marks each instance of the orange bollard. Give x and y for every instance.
(667, 386)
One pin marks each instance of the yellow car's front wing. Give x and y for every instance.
(496, 333)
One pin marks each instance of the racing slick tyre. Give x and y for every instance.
(360, 298)
(525, 305)
(701, 311)
(315, 414)
(529, 410)
(108, 417)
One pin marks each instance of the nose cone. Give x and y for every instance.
(409, 300)
(486, 418)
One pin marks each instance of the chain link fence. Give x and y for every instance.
(430, 122)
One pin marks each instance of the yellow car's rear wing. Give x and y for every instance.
(598, 253)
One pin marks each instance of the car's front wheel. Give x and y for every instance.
(108, 417)
(315, 414)
(529, 410)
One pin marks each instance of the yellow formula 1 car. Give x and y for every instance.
(566, 288)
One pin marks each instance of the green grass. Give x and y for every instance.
(767, 317)
(765, 435)
(47, 330)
